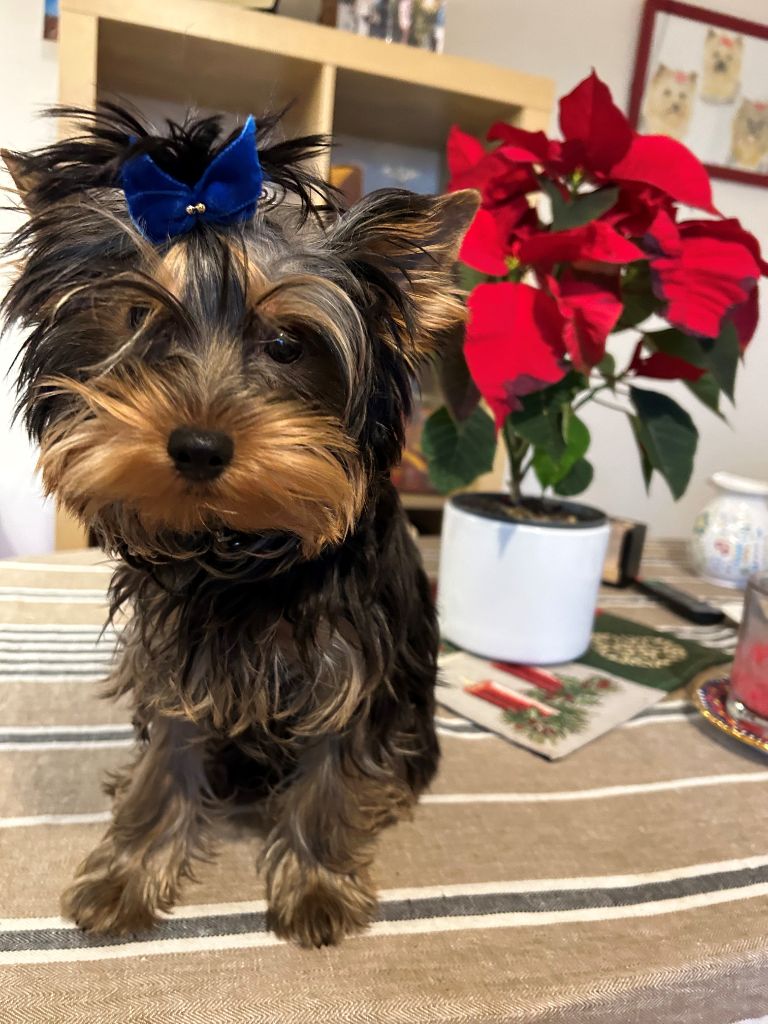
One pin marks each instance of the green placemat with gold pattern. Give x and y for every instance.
(645, 655)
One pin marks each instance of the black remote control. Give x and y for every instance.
(683, 604)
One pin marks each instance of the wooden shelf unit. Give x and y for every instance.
(219, 56)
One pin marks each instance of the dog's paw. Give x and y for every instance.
(317, 907)
(101, 903)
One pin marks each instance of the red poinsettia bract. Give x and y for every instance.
(559, 291)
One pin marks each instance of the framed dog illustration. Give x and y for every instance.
(702, 78)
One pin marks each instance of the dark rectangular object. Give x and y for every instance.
(625, 552)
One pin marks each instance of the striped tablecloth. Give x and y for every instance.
(627, 883)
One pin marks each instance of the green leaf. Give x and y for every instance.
(556, 199)
(540, 420)
(469, 278)
(645, 462)
(457, 453)
(460, 392)
(582, 209)
(637, 296)
(607, 366)
(551, 469)
(707, 391)
(666, 436)
(719, 356)
(723, 354)
(674, 343)
(540, 427)
(577, 480)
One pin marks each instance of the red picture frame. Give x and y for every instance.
(651, 12)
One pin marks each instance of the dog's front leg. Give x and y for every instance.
(161, 807)
(319, 853)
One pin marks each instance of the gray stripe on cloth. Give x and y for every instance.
(461, 905)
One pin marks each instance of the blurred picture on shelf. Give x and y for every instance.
(51, 21)
(419, 23)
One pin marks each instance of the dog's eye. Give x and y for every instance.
(667, 92)
(284, 350)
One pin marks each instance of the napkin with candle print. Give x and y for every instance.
(552, 711)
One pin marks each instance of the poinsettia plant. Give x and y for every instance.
(552, 282)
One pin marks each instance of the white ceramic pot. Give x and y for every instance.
(519, 591)
(730, 536)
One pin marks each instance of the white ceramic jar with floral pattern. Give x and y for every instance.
(730, 536)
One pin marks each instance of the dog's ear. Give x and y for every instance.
(660, 70)
(402, 247)
(739, 41)
(711, 33)
(692, 76)
(24, 179)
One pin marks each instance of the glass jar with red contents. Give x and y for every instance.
(748, 692)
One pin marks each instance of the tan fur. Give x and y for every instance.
(231, 706)
(162, 814)
(438, 305)
(293, 469)
(319, 853)
(669, 101)
(749, 136)
(721, 73)
(24, 182)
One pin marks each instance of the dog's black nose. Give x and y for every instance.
(200, 454)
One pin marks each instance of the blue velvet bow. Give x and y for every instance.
(229, 190)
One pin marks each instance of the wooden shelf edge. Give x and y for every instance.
(301, 40)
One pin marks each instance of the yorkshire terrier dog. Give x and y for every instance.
(218, 365)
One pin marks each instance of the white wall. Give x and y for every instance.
(560, 38)
(564, 39)
(28, 82)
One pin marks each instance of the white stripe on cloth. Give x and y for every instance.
(19, 748)
(64, 677)
(27, 596)
(658, 719)
(74, 567)
(593, 794)
(523, 885)
(34, 820)
(62, 631)
(20, 650)
(432, 799)
(524, 919)
(69, 730)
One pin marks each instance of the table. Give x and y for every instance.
(627, 883)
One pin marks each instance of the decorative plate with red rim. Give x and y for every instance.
(709, 698)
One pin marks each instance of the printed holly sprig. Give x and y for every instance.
(563, 710)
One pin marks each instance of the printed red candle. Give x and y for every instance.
(486, 689)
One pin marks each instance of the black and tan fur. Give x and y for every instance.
(281, 641)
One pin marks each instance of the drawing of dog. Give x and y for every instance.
(749, 136)
(721, 77)
(669, 102)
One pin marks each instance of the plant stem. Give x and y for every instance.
(590, 395)
(609, 405)
(517, 449)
